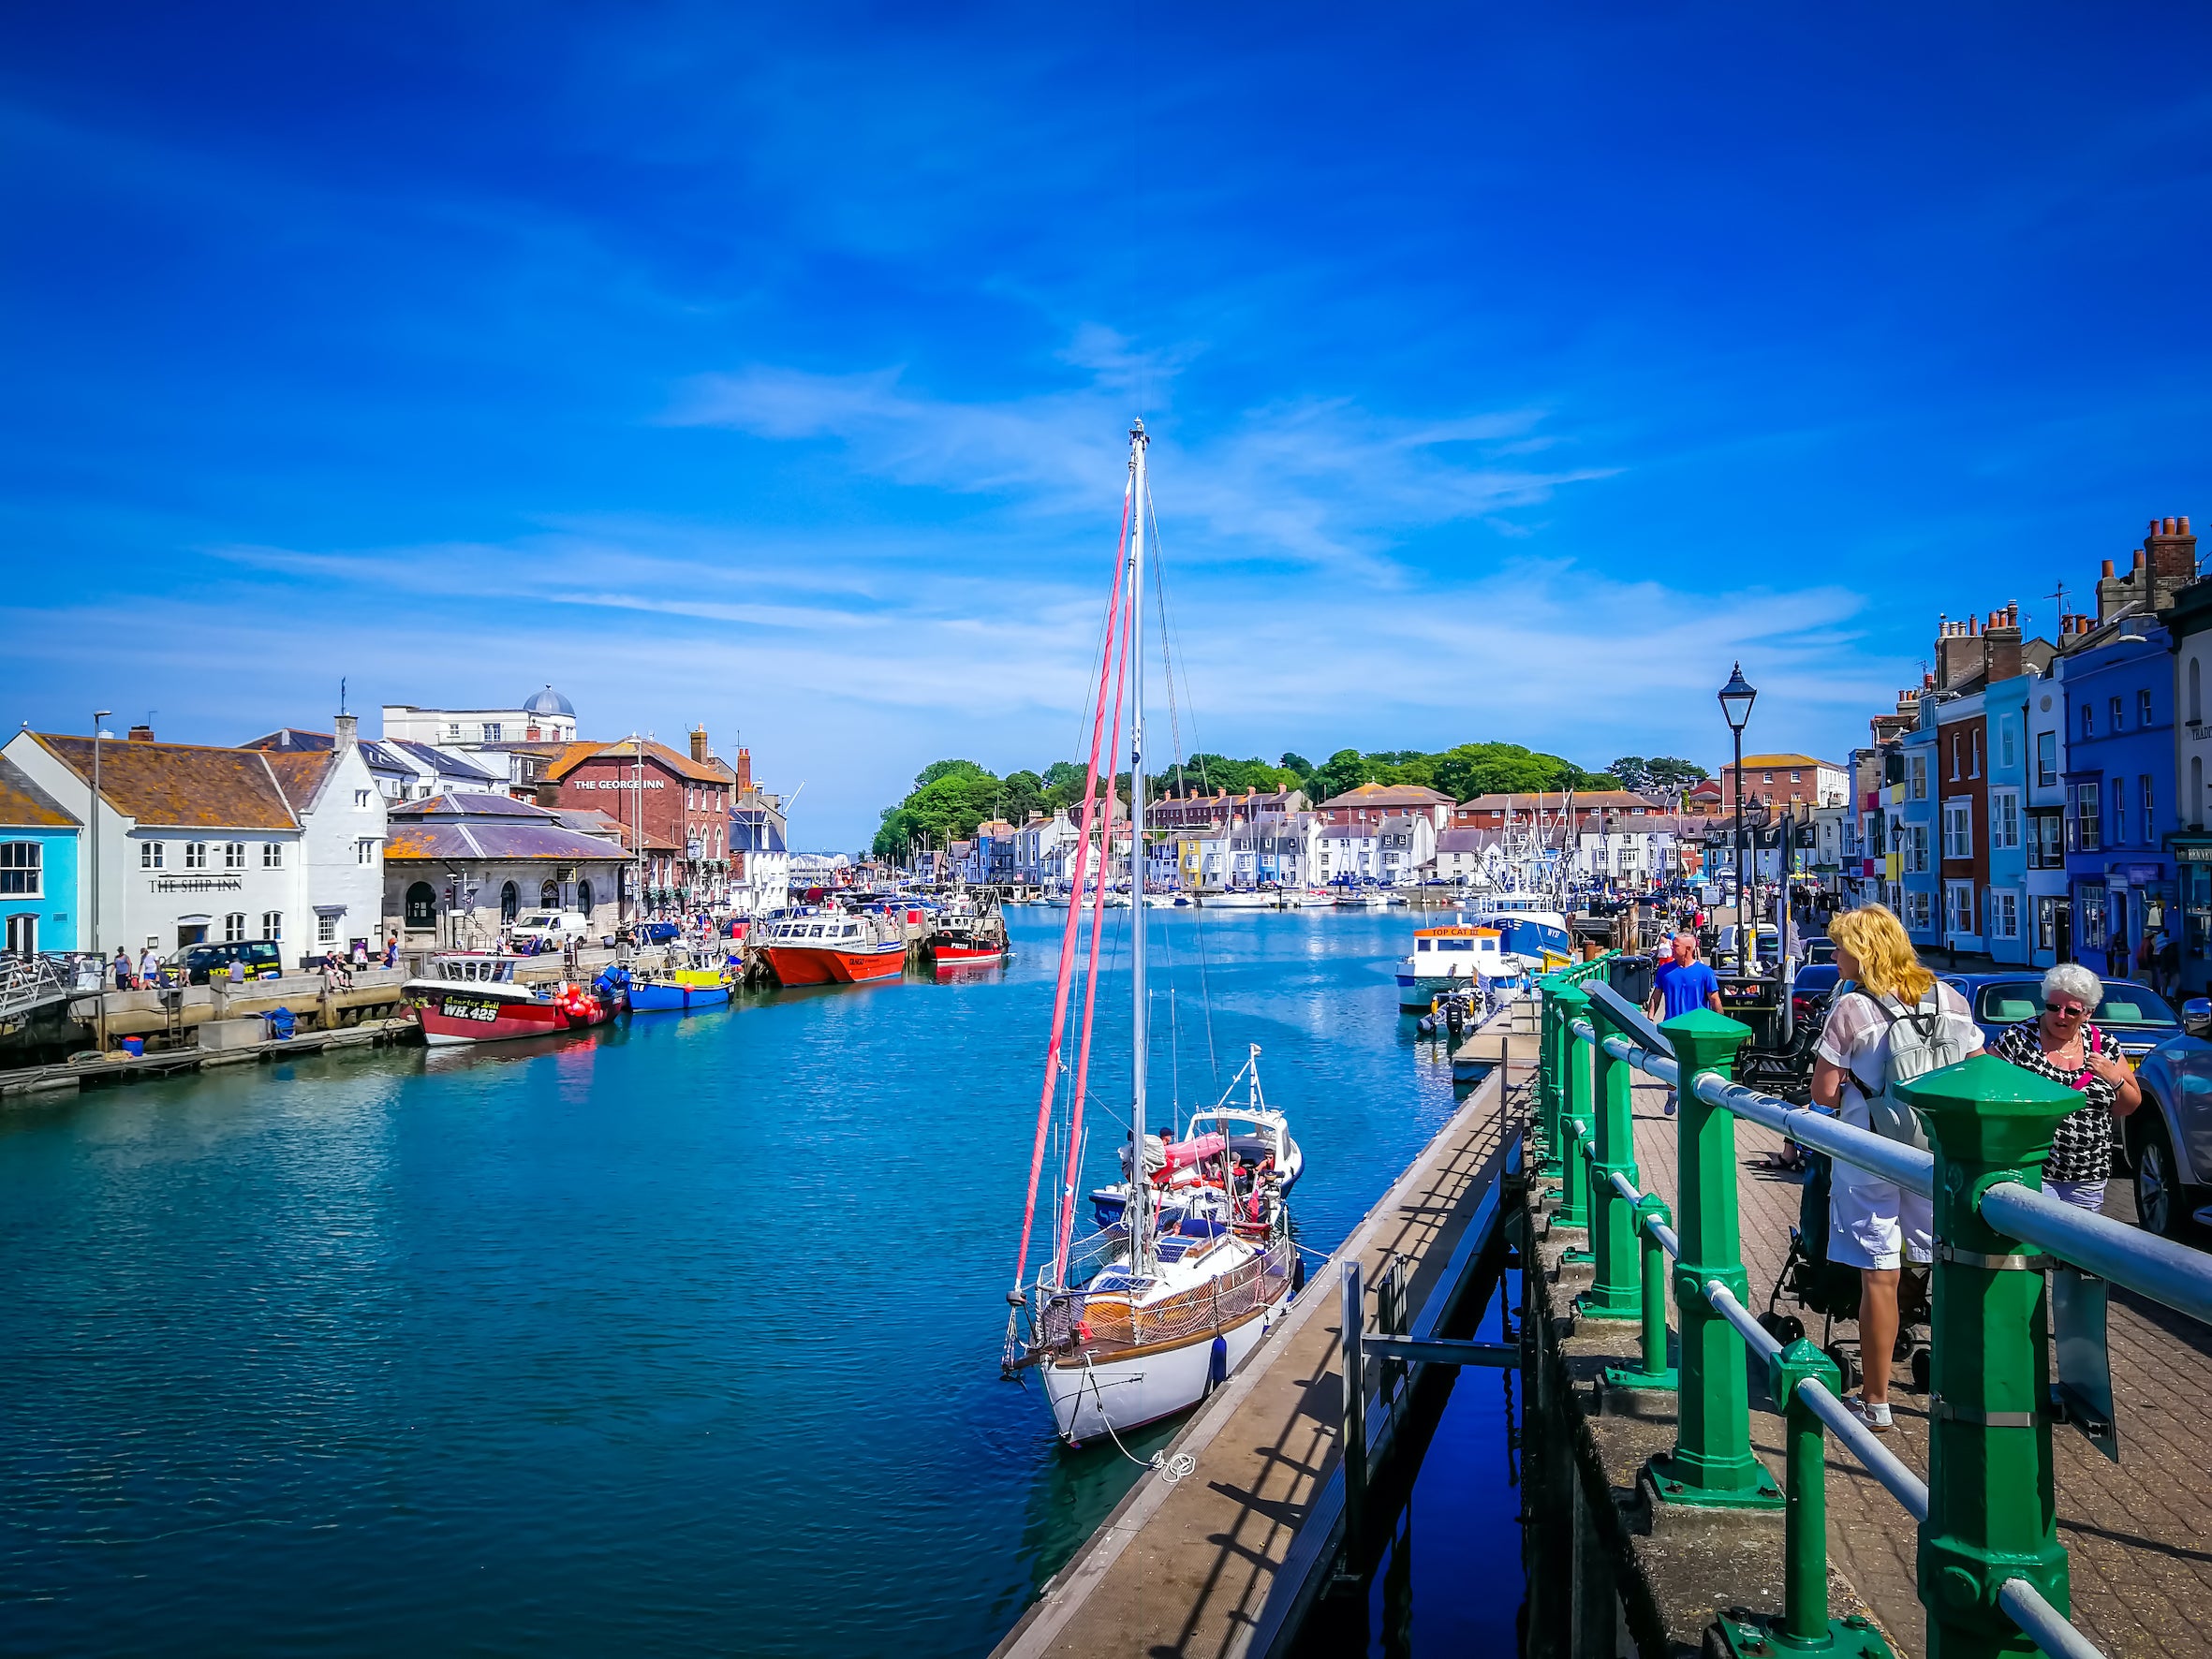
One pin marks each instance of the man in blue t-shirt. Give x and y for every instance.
(1681, 985)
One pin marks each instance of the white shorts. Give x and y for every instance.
(1872, 1224)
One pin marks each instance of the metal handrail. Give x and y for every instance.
(2167, 1274)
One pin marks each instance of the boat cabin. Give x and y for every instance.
(475, 968)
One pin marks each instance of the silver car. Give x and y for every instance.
(2169, 1137)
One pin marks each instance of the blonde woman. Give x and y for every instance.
(1874, 1225)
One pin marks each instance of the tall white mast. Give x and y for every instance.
(1139, 1193)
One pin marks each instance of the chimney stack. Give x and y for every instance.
(2171, 549)
(140, 734)
(348, 730)
(744, 772)
(699, 744)
(2000, 645)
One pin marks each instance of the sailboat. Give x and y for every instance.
(1148, 1314)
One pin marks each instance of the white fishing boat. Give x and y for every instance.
(1145, 1317)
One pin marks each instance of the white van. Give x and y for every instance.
(1766, 942)
(553, 928)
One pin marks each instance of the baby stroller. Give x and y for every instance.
(1831, 1290)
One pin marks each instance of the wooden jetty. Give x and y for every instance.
(1197, 1565)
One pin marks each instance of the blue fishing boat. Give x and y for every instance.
(704, 984)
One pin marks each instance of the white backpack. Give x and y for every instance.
(1922, 1040)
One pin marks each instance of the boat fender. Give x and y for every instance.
(1297, 1272)
(1218, 1364)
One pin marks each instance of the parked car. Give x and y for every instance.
(2169, 1136)
(196, 964)
(660, 932)
(2138, 1017)
(552, 928)
(1767, 945)
(1812, 989)
(1820, 948)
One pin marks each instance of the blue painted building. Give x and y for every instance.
(39, 866)
(2116, 681)
(1915, 887)
(2006, 705)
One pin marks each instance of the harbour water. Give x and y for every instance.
(681, 1339)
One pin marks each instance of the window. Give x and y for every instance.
(1919, 766)
(364, 851)
(491, 731)
(510, 902)
(2119, 811)
(2196, 692)
(1797, 777)
(22, 932)
(273, 855)
(1916, 849)
(584, 897)
(196, 855)
(1920, 908)
(2087, 722)
(2004, 820)
(2112, 711)
(2004, 914)
(326, 929)
(234, 927)
(2047, 758)
(1764, 778)
(453, 731)
(272, 925)
(2150, 828)
(421, 905)
(234, 855)
(1974, 761)
(2143, 707)
(2196, 790)
(360, 796)
(1957, 747)
(20, 868)
(1958, 828)
(2004, 744)
(549, 895)
(2089, 819)
(1959, 908)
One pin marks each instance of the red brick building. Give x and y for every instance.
(674, 808)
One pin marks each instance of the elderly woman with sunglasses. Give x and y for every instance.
(2062, 1044)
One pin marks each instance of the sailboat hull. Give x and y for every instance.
(1137, 1386)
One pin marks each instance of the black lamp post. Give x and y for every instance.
(1737, 698)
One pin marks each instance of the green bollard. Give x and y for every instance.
(1654, 1372)
(1712, 1463)
(1991, 1511)
(1804, 1626)
(1616, 1293)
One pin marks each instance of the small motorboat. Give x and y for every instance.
(472, 996)
(703, 983)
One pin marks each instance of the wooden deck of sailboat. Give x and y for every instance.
(1186, 1567)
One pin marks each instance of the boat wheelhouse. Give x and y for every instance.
(472, 996)
(1449, 957)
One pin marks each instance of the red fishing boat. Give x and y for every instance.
(472, 996)
(967, 933)
(834, 947)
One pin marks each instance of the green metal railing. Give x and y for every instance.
(1991, 1572)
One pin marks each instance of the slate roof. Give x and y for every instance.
(291, 737)
(487, 827)
(457, 803)
(590, 820)
(1552, 802)
(23, 805)
(763, 837)
(181, 785)
(451, 766)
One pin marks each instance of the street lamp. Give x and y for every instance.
(1737, 698)
(99, 717)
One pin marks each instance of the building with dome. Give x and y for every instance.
(544, 717)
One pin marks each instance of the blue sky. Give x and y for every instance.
(1513, 370)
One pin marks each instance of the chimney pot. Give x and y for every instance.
(2108, 568)
(2185, 529)
(2154, 526)
(2140, 556)
(2169, 530)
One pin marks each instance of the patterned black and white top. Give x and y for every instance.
(2082, 1148)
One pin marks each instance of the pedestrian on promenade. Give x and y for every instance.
(2061, 1044)
(122, 969)
(149, 969)
(1680, 984)
(1874, 1225)
(391, 951)
(2115, 952)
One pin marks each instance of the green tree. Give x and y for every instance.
(945, 769)
(1631, 771)
(1347, 769)
(1022, 793)
(1297, 764)
(1670, 773)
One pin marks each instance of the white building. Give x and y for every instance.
(1044, 849)
(403, 770)
(1628, 852)
(545, 716)
(197, 843)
